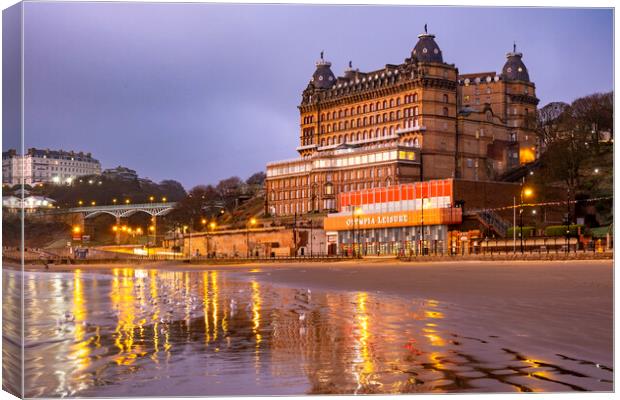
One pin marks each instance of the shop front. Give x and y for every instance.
(403, 220)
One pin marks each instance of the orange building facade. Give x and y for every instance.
(401, 219)
(403, 123)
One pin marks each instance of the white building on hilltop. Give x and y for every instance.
(41, 166)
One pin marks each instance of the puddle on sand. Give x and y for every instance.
(148, 332)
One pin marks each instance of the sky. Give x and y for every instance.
(200, 92)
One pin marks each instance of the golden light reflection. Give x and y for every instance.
(81, 348)
(205, 301)
(215, 299)
(123, 301)
(256, 321)
(433, 314)
(156, 312)
(363, 326)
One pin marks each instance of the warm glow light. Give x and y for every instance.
(252, 221)
(92, 203)
(151, 228)
(164, 199)
(204, 221)
(527, 192)
(358, 211)
(115, 228)
(152, 198)
(212, 225)
(139, 231)
(77, 229)
(80, 202)
(127, 201)
(114, 201)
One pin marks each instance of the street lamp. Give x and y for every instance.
(163, 199)
(127, 201)
(80, 202)
(92, 203)
(525, 192)
(251, 223)
(151, 198)
(114, 201)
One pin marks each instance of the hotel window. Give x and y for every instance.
(391, 102)
(372, 120)
(398, 114)
(384, 117)
(378, 106)
(488, 90)
(358, 109)
(392, 116)
(372, 108)
(364, 108)
(470, 163)
(415, 110)
(346, 112)
(477, 101)
(445, 98)
(415, 97)
(397, 101)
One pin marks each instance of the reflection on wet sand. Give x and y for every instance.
(154, 332)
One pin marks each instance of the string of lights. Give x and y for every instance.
(549, 203)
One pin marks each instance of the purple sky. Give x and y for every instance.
(199, 92)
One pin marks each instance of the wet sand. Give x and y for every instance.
(544, 325)
(559, 303)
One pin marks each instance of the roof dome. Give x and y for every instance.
(514, 69)
(323, 77)
(427, 50)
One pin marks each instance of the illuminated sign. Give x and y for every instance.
(436, 216)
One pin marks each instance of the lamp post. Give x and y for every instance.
(251, 223)
(527, 192)
(567, 220)
(212, 226)
(422, 225)
(357, 212)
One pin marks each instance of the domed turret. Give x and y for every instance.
(514, 69)
(323, 77)
(427, 50)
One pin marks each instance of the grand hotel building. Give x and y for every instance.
(414, 121)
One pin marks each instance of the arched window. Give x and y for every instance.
(334, 115)
(364, 135)
(377, 132)
(351, 136)
(340, 139)
(346, 124)
(359, 120)
(391, 130)
(384, 131)
(339, 113)
(445, 98)
(415, 110)
(364, 108)
(329, 141)
(358, 109)
(346, 112)
(445, 111)
(385, 117)
(391, 115)
(358, 136)
(391, 102)
(398, 114)
(340, 125)
(398, 101)
(384, 104)
(365, 121)
(323, 142)
(378, 106)
(416, 142)
(372, 120)
(415, 97)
